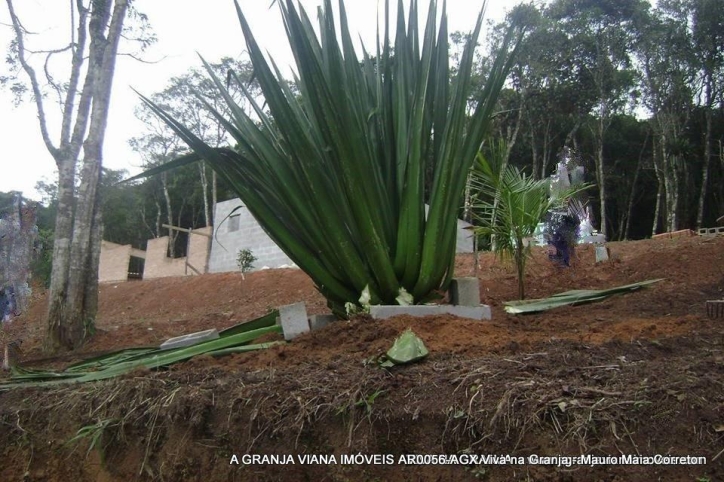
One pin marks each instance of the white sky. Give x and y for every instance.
(183, 28)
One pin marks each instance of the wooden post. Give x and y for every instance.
(190, 231)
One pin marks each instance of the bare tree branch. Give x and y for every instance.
(81, 121)
(49, 77)
(37, 94)
(54, 51)
(135, 57)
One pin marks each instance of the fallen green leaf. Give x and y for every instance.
(572, 297)
(408, 348)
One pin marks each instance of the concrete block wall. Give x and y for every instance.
(159, 265)
(225, 243)
(114, 262)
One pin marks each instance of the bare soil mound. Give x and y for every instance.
(635, 375)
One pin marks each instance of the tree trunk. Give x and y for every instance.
(158, 218)
(61, 251)
(629, 209)
(705, 170)
(659, 190)
(545, 161)
(214, 197)
(600, 176)
(169, 218)
(205, 192)
(73, 286)
(78, 312)
(721, 184)
(670, 176)
(512, 136)
(534, 152)
(78, 323)
(520, 266)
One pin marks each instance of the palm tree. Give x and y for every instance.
(509, 205)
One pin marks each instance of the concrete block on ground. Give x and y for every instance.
(381, 312)
(711, 231)
(294, 320)
(465, 291)
(190, 339)
(601, 254)
(715, 309)
(317, 322)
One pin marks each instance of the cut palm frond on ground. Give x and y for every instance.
(573, 297)
(236, 339)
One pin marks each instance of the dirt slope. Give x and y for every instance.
(641, 373)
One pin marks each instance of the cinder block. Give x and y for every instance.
(715, 309)
(190, 339)
(294, 320)
(601, 254)
(465, 291)
(320, 321)
(381, 312)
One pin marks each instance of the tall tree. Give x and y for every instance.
(602, 33)
(668, 68)
(707, 26)
(96, 28)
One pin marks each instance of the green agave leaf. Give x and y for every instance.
(231, 340)
(572, 297)
(245, 348)
(407, 348)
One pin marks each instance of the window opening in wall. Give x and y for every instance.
(135, 268)
(180, 245)
(233, 223)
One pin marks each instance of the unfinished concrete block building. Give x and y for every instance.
(215, 250)
(237, 229)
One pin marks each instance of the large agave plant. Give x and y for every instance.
(338, 172)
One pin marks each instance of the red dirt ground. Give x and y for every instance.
(641, 373)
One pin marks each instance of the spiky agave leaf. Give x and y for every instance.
(336, 172)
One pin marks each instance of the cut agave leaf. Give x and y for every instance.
(232, 340)
(404, 298)
(572, 297)
(407, 348)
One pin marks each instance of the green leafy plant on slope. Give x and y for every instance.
(335, 172)
(245, 260)
(508, 205)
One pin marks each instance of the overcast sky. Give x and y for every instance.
(183, 28)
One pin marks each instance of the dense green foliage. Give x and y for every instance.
(636, 90)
